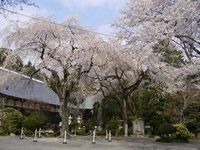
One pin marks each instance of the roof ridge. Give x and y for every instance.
(25, 76)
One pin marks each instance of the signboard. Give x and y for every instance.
(147, 126)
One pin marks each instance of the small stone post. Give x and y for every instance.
(65, 137)
(35, 139)
(109, 136)
(106, 135)
(94, 137)
(39, 133)
(22, 134)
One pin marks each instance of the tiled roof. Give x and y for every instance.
(21, 86)
(24, 87)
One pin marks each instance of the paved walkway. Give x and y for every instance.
(85, 143)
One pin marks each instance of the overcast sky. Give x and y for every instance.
(94, 14)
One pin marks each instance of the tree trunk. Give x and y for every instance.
(125, 118)
(122, 102)
(64, 115)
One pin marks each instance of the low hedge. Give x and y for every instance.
(179, 134)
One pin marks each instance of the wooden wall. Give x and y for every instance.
(6, 101)
(27, 104)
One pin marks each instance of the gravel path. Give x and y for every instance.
(85, 143)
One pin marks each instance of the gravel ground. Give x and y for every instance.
(85, 143)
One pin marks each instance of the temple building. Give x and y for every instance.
(28, 95)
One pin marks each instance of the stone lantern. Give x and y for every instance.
(70, 119)
(79, 120)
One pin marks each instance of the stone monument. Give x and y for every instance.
(138, 127)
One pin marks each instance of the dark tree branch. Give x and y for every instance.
(34, 73)
(80, 72)
(186, 36)
(189, 47)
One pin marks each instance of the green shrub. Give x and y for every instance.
(89, 126)
(193, 126)
(74, 125)
(56, 129)
(149, 132)
(130, 131)
(28, 132)
(2, 133)
(130, 120)
(181, 132)
(113, 125)
(120, 133)
(101, 133)
(155, 120)
(81, 131)
(166, 129)
(12, 121)
(35, 120)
